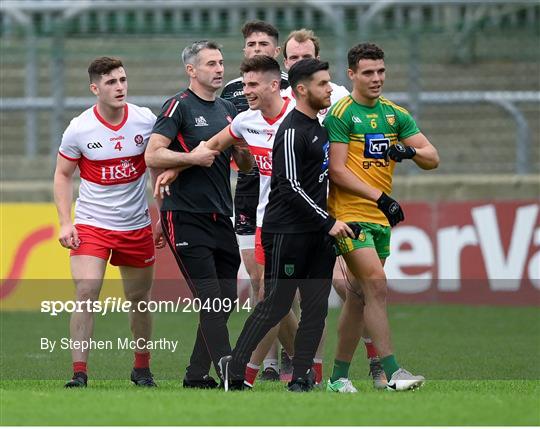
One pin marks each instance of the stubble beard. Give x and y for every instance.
(316, 103)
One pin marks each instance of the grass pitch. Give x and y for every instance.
(481, 364)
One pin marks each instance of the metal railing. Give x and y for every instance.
(506, 100)
(159, 16)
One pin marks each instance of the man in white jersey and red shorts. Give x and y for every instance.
(107, 143)
(257, 127)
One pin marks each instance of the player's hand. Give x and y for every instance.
(68, 237)
(391, 209)
(163, 181)
(398, 152)
(159, 239)
(203, 156)
(341, 230)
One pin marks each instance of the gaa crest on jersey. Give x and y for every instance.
(139, 140)
(391, 119)
(289, 269)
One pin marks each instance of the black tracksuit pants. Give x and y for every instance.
(293, 261)
(206, 251)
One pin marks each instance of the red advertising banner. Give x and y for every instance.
(481, 253)
(467, 252)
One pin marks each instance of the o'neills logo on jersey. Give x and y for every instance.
(263, 158)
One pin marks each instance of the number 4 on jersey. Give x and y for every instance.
(118, 146)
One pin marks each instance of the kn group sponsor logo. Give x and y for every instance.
(375, 145)
(325, 163)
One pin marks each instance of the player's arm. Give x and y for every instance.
(159, 239)
(426, 156)
(63, 198)
(343, 177)
(243, 157)
(206, 151)
(158, 154)
(223, 140)
(227, 138)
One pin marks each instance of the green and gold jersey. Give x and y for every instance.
(368, 131)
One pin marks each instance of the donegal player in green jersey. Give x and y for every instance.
(368, 135)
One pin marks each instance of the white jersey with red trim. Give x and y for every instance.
(259, 133)
(338, 92)
(112, 194)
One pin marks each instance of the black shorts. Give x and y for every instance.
(245, 214)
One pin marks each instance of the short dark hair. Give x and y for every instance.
(257, 26)
(364, 51)
(101, 66)
(304, 70)
(261, 63)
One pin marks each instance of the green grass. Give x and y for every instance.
(481, 363)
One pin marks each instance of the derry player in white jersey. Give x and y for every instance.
(258, 131)
(257, 127)
(299, 45)
(107, 143)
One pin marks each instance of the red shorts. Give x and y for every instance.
(259, 251)
(128, 248)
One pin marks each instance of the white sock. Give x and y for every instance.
(271, 363)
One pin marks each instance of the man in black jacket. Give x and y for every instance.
(295, 223)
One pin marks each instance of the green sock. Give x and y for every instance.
(389, 365)
(341, 370)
